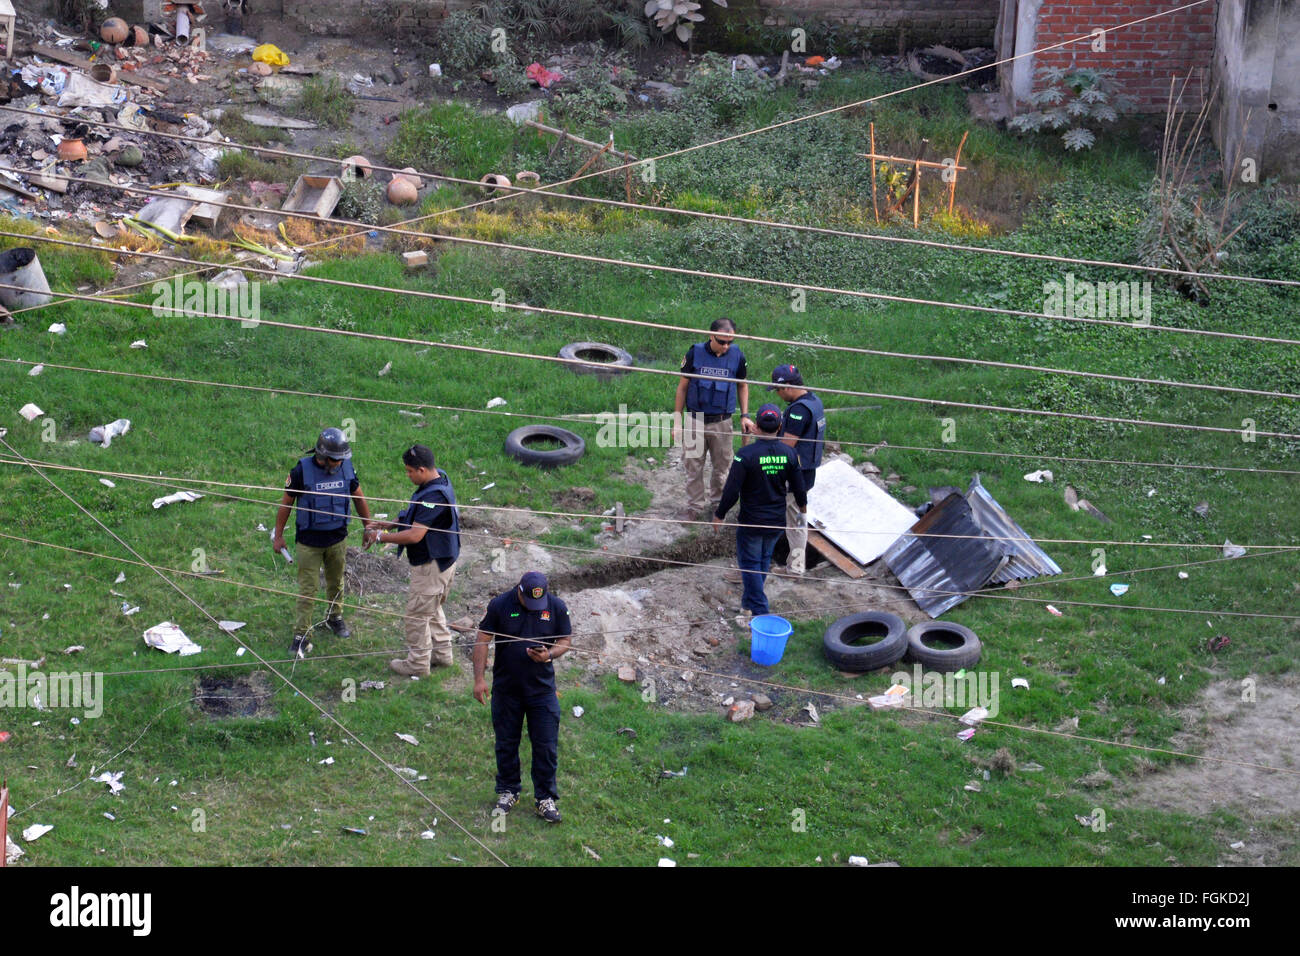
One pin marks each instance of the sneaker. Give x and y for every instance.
(406, 668)
(744, 617)
(339, 627)
(300, 646)
(732, 576)
(505, 802)
(547, 811)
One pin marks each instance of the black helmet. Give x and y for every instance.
(333, 444)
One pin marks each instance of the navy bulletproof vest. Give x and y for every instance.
(715, 395)
(810, 452)
(325, 504)
(438, 542)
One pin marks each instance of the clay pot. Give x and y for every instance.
(402, 192)
(139, 36)
(356, 167)
(412, 175)
(494, 181)
(528, 179)
(103, 73)
(72, 151)
(113, 30)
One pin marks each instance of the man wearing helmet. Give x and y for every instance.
(323, 485)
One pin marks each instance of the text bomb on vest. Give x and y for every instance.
(439, 542)
(717, 394)
(325, 505)
(810, 452)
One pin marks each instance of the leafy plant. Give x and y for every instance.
(677, 15)
(327, 101)
(1081, 100)
(362, 200)
(464, 40)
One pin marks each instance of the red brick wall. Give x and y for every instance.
(1144, 57)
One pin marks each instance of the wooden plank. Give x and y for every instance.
(135, 78)
(835, 556)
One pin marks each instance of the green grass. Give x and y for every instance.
(887, 786)
(327, 101)
(233, 125)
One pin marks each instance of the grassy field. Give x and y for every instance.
(886, 786)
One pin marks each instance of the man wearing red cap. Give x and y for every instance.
(530, 628)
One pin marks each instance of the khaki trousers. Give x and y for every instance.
(428, 638)
(698, 441)
(310, 562)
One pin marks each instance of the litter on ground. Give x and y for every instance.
(170, 639)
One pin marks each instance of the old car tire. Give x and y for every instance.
(966, 654)
(517, 446)
(839, 641)
(596, 358)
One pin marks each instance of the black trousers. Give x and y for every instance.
(543, 713)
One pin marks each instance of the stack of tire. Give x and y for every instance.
(870, 640)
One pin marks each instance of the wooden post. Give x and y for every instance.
(952, 186)
(874, 207)
(916, 198)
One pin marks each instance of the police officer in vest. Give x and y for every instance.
(429, 529)
(530, 627)
(323, 485)
(709, 402)
(804, 430)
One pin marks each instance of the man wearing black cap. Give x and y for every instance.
(761, 476)
(804, 430)
(429, 530)
(703, 406)
(322, 485)
(530, 627)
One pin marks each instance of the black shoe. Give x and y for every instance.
(546, 810)
(300, 646)
(505, 802)
(338, 626)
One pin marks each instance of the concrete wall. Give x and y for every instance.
(960, 23)
(1257, 67)
(880, 22)
(1145, 57)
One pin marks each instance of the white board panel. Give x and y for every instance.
(852, 512)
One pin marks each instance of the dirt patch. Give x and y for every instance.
(368, 573)
(248, 695)
(1229, 726)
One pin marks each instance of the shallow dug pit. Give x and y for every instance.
(248, 695)
(697, 549)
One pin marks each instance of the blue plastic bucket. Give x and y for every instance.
(768, 636)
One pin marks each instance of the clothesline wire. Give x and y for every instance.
(585, 419)
(482, 350)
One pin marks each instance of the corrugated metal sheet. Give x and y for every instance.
(933, 567)
(1027, 560)
(985, 546)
